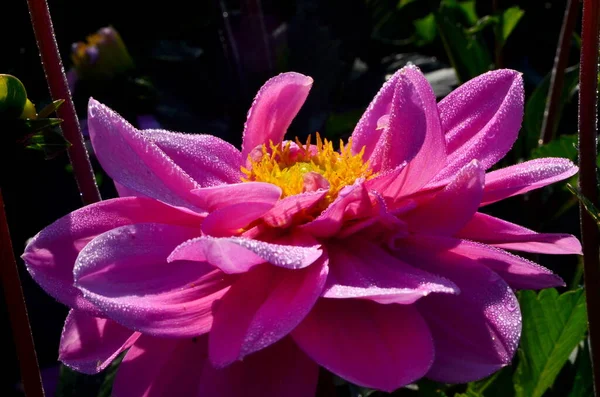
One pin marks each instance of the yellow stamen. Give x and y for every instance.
(286, 168)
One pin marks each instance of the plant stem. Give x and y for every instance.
(588, 97)
(558, 71)
(499, 59)
(17, 310)
(59, 89)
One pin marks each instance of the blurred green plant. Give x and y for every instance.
(24, 125)
(454, 23)
(535, 107)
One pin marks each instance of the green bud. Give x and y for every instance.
(13, 97)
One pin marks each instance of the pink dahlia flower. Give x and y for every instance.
(230, 272)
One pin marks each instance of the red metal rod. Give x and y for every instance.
(588, 130)
(558, 71)
(59, 89)
(15, 303)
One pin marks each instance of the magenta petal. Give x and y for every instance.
(156, 367)
(240, 254)
(481, 119)
(388, 184)
(210, 161)
(521, 178)
(431, 156)
(405, 130)
(273, 109)
(262, 307)
(518, 272)
(231, 220)
(217, 197)
(124, 191)
(279, 370)
(285, 210)
(351, 202)
(383, 347)
(51, 255)
(476, 332)
(358, 269)
(135, 161)
(502, 234)
(89, 344)
(452, 208)
(125, 273)
(368, 130)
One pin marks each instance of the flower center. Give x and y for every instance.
(298, 168)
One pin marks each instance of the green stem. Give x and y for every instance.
(558, 71)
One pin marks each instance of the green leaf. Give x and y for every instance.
(499, 384)
(536, 105)
(468, 53)
(583, 384)
(425, 30)
(13, 97)
(553, 326)
(468, 8)
(564, 146)
(587, 204)
(75, 384)
(510, 19)
(403, 3)
(488, 20)
(35, 125)
(50, 142)
(51, 108)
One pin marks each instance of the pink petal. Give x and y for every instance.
(365, 134)
(89, 344)
(518, 272)
(217, 197)
(476, 332)
(240, 254)
(381, 223)
(379, 346)
(124, 191)
(499, 233)
(352, 202)
(359, 269)
(279, 370)
(431, 156)
(452, 208)
(262, 307)
(232, 220)
(521, 178)
(125, 273)
(209, 160)
(481, 119)
(51, 255)
(388, 184)
(412, 133)
(155, 367)
(406, 128)
(134, 161)
(285, 211)
(273, 109)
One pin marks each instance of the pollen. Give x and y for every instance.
(286, 165)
